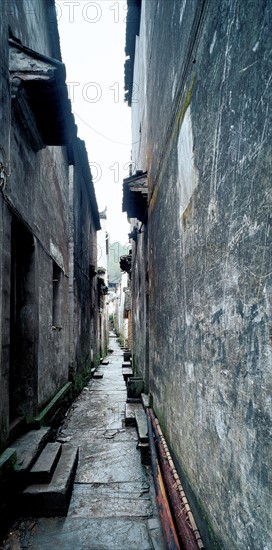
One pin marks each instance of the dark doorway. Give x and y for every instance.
(23, 326)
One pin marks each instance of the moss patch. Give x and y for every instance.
(81, 378)
(58, 401)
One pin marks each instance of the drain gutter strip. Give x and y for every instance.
(187, 528)
(168, 528)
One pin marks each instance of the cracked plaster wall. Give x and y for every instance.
(207, 121)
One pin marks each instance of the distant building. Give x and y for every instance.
(198, 80)
(84, 300)
(103, 282)
(121, 310)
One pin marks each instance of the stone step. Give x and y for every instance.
(146, 400)
(141, 424)
(126, 364)
(133, 400)
(130, 410)
(98, 375)
(52, 499)
(135, 387)
(142, 429)
(127, 372)
(145, 453)
(17, 428)
(127, 355)
(44, 467)
(28, 447)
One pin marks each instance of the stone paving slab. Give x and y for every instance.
(75, 438)
(139, 489)
(112, 367)
(154, 527)
(104, 500)
(106, 461)
(52, 499)
(90, 534)
(43, 468)
(92, 412)
(103, 385)
(91, 397)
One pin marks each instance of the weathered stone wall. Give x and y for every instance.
(207, 121)
(5, 320)
(36, 195)
(38, 234)
(85, 318)
(4, 235)
(102, 262)
(120, 322)
(34, 23)
(140, 290)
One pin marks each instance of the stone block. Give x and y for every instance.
(52, 499)
(135, 387)
(127, 372)
(130, 411)
(155, 531)
(98, 375)
(145, 453)
(44, 467)
(28, 447)
(127, 355)
(141, 424)
(146, 400)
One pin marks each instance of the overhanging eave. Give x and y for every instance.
(40, 96)
(135, 196)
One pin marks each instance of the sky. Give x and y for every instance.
(92, 37)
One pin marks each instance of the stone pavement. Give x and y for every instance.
(113, 505)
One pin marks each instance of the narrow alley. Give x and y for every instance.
(113, 501)
(135, 275)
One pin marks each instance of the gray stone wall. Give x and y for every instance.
(85, 317)
(140, 290)
(36, 196)
(5, 322)
(34, 23)
(207, 121)
(38, 231)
